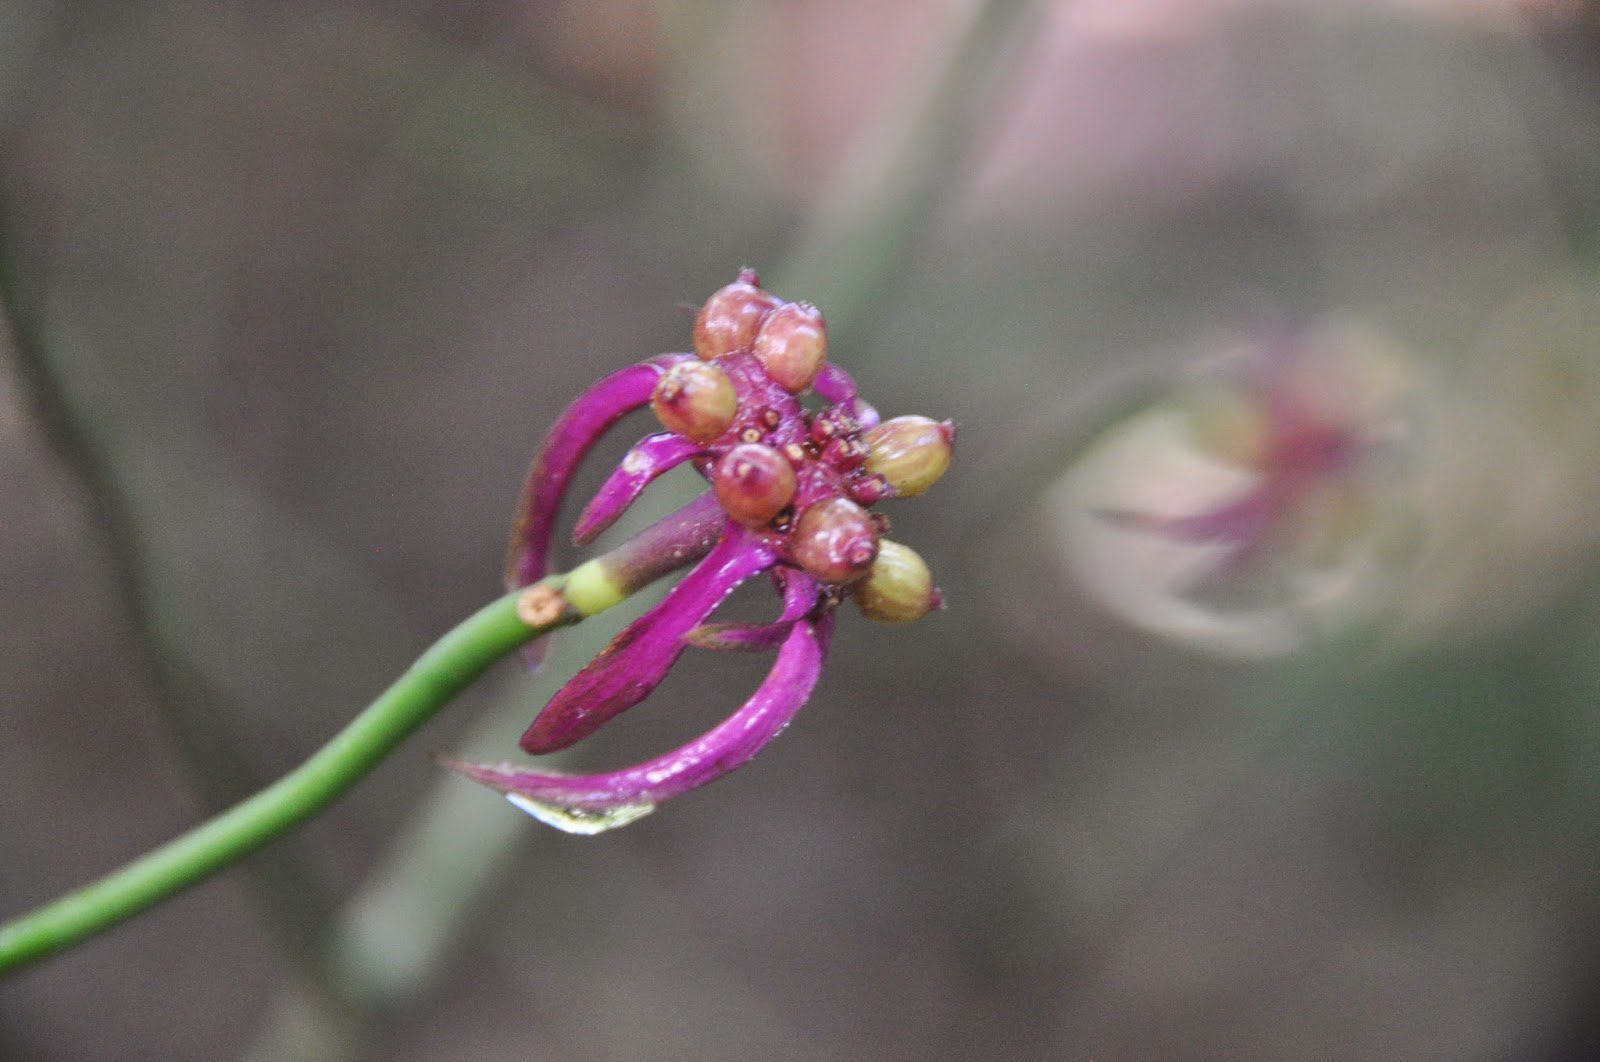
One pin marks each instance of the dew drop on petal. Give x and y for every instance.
(580, 820)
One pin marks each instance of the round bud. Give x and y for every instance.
(792, 345)
(834, 541)
(898, 587)
(696, 400)
(910, 452)
(730, 319)
(754, 483)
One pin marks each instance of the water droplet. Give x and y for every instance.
(580, 820)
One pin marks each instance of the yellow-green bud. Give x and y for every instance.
(898, 587)
(911, 453)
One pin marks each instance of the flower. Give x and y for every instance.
(1260, 503)
(1291, 425)
(791, 494)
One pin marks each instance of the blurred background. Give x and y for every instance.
(1263, 721)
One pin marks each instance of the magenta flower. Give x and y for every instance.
(790, 494)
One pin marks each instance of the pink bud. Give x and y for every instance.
(834, 541)
(696, 400)
(731, 317)
(792, 345)
(846, 455)
(754, 483)
(869, 490)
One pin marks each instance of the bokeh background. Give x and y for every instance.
(293, 289)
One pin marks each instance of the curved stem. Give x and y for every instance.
(444, 670)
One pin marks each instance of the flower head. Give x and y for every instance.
(791, 491)
(1261, 501)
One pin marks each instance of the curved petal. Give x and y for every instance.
(570, 801)
(675, 541)
(578, 429)
(639, 658)
(653, 455)
(799, 599)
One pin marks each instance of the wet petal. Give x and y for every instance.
(650, 458)
(799, 599)
(592, 802)
(583, 423)
(639, 658)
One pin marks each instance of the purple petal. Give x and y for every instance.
(799, 599)
(650, 458)
(639, 658)
(675, 541)
(834, 384)
(726, 747)
(583, 423)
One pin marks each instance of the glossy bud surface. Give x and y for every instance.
(731, 317)
(696, 400)
(835, 541)
(898, 588)
(792, 345)
(911, 453)
(754, 483)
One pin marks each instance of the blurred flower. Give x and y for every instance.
(1253, 504)
(791, 490)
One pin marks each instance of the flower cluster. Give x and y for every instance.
(791, 494)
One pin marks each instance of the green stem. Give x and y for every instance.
(444, 670)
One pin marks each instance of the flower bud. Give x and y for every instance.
(792, 345)
(869, 490)
(898, 587)
(731, 317)
(754, 483)
(910, 452)
(696, 400)
(831, 423)
(834, 541)
(846, 455)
